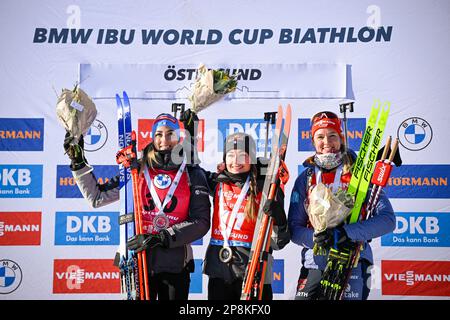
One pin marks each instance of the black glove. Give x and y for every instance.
(334, 237)
(141, 242)
(75, 152)
(276, 211)
(189, 119)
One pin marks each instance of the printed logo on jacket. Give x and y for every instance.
(419, 229)
(87, 228)
(145, 134)
(20, 228)
(419, 181)
(355, 131)
(253, 127)
(21, 134)
(20, 181)
(85, 276)
(415, 278)
(66, 186)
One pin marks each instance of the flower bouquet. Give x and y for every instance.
(76, 112)
(327, 210)
(210, 86)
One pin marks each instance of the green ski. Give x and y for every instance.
(365, 145)
(365, 175)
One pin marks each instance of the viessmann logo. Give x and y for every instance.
(85, 276)
(20, 228)
(415, 278)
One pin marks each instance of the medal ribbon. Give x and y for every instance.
(170, 193)
(225, 228)
(337, 178)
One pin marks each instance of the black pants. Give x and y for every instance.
(218, 289)
(170, 286)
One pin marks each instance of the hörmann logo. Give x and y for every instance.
(21, 134)
(20, 228)
(419, 181)
(66, 186)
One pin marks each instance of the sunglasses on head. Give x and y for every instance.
(324, 114)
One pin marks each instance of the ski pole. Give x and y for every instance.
(253, 264)
(379, 179)
(343, 107)
(177, 107)
(381, 176)
(375, 186)
(269, 117)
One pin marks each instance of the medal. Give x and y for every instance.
(225, 254)
(160, 222)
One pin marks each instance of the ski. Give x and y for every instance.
(365, 144)
(255, 271)
(121, 255)
(132, 267)
(369, 164)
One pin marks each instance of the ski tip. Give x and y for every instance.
(125, 95)
(118, 100)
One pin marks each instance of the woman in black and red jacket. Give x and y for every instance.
(184, 218)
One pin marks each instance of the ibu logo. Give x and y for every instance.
(253, 127)
(419, 230)
(87, 228)
(20, 181)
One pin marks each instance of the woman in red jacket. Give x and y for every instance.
(237, 193)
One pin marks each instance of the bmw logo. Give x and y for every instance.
(10, 276)
(96, 136)
(415, 134)
(162, 181)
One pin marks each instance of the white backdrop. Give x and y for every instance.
(311, 55)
